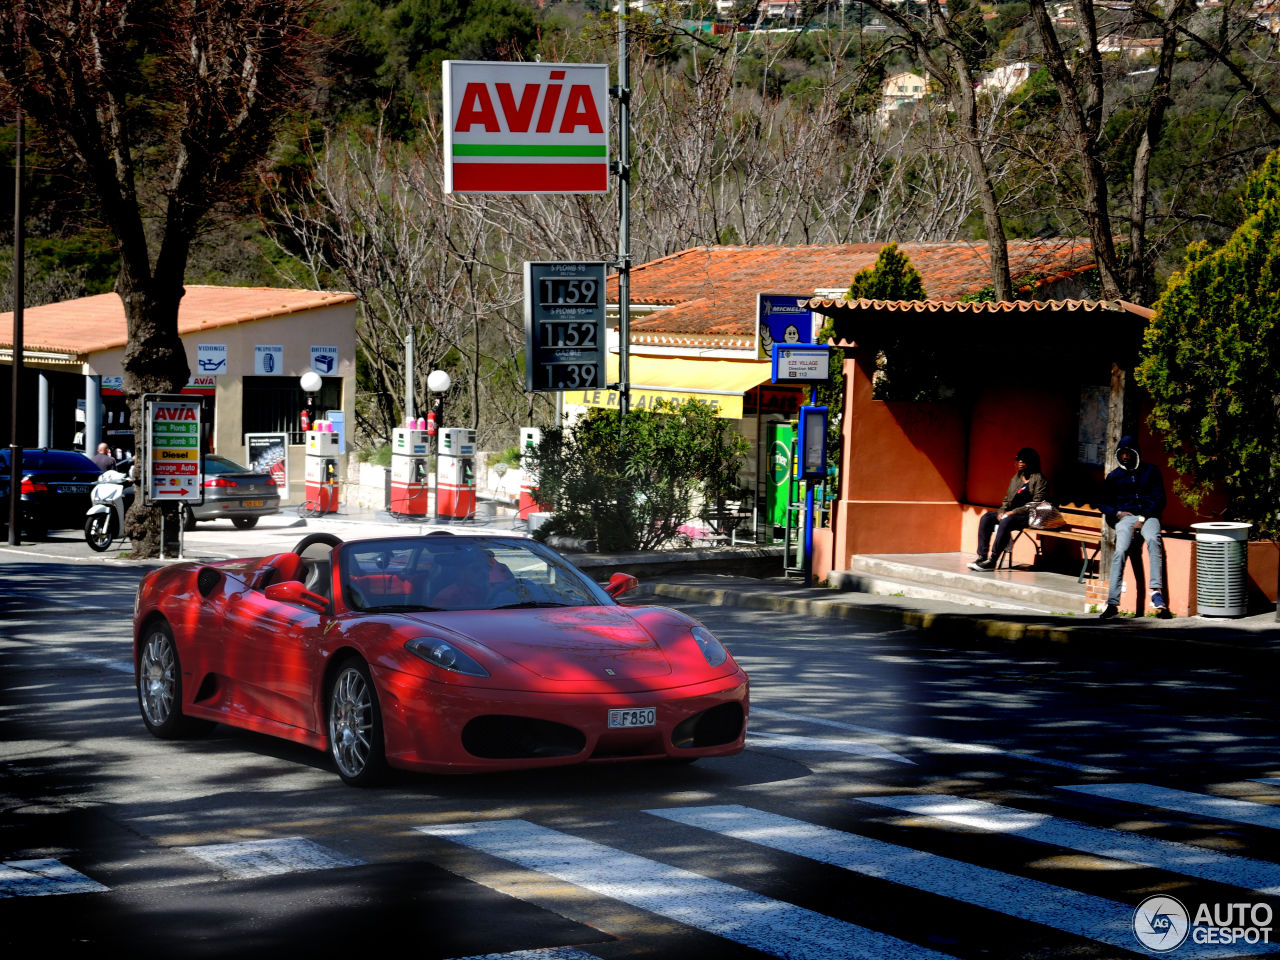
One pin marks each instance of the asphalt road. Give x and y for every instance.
(898, 798)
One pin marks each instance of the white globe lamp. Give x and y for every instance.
(311, 381)
(438, 381)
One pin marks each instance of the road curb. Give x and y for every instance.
(1108, 640)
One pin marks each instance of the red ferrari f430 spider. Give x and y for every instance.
(438, 653)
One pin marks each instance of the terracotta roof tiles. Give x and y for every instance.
(710, 292)
(91, 324)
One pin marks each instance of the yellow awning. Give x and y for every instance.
(718, 383)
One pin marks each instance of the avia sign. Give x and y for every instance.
(526, 127)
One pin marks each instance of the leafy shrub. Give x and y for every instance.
(629, 484)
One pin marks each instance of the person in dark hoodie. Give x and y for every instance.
(1026, 487)
(1133, 500)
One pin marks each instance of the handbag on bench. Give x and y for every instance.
(1043, 515)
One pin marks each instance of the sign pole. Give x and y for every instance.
(623, 168)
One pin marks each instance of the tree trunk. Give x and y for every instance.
(154, 362)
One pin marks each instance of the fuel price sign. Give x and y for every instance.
(173, 449)
(564, 326)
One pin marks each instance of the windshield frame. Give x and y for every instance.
(577, 585)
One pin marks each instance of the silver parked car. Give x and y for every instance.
(232, 490)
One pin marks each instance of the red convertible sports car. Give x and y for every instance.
(436, 653)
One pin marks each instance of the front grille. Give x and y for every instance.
(499, 737)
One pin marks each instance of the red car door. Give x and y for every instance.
(270, 654)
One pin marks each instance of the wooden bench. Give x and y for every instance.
(1084, 525)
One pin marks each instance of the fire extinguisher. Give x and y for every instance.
(306, 420)
(431, 423)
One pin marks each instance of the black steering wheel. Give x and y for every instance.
(311, 539)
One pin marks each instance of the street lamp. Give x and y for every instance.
(437, 382)
(311, 384)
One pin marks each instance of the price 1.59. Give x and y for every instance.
(568, 376)
(568, 292)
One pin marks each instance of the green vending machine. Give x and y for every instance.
(781, 439)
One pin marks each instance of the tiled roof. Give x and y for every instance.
(716, 287)
(823, 304)
(91, 324)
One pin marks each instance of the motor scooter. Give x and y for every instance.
(111, 495)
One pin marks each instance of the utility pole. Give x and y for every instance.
(19, 295)
(622, 92)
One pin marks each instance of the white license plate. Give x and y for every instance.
(251, 503)
(75, 488)
(637, 717)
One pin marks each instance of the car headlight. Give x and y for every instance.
(712, 648)
(443, 654)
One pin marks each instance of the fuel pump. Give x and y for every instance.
(528, 503)
(322, 466)
(455, 477)
(410, 462)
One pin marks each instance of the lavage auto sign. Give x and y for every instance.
(1162, 924)
(526, 127)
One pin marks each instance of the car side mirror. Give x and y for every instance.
(620, 583)
(294, 592)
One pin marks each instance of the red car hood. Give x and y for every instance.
(563, 643)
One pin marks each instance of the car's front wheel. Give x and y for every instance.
(355, 725)
(160, 685)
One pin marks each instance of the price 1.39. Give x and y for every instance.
(568, 376)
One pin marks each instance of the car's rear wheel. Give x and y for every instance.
(160, 685)
(355, 725)
(188, 517)
(245, 523)
(100, 530)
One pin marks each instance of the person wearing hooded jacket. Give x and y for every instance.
(1132, 500)
(1027, 486)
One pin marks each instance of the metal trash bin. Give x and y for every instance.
(1222, 565)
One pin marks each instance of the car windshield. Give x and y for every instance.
(52, 460)
(215, 464)
(445, 572)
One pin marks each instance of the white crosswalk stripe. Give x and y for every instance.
(43, 878)
(1182, 801)
(1070, 911)
(269, 858)
(739, 915)
(1117, 844)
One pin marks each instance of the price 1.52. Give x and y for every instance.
(569, 376)
(572, 333)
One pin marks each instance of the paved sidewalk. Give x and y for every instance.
(1200, 641)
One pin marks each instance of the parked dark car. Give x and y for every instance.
(233, 491)
(55, 487)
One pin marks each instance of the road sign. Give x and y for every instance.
(801, 363)
(173, 449)
(526, 127)
(564, 325)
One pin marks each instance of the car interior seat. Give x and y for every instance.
(282, 568)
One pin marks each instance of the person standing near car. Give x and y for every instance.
(103, 458)
(1027, 486)
(1133, 499)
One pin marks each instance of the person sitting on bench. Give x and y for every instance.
(1027, 486)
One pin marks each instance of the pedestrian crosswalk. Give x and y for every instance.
(652, 870)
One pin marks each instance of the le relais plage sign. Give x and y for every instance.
(526, 127)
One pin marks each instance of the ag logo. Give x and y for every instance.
(1160, 923)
